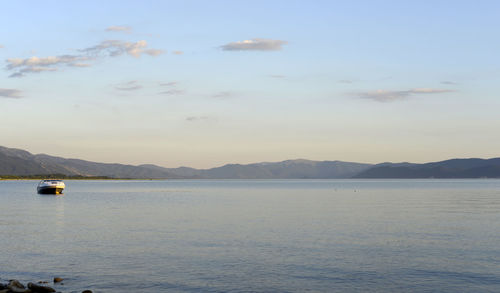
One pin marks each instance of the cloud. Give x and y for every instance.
(390, 96)
(79, 65)
(10, 93)
(17, 74)
(1, 46)
(119, 28)
(45, 61)
(154, 52)
(108, 48)
(255, 45)
(128, 86)
(36, 64)
(448, 82)
(223, 95)
(199, 118)
(115, 48)
(171, 83)
(172, 92)
(345, 81)
(429, 91)
(177, 52)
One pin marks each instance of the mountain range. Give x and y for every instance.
(22, 163)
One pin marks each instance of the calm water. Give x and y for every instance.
(255, 236)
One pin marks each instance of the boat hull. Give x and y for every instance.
(50, 190)
(50, 186)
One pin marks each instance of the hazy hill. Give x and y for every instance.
(18, 166)
(20, 162)
(454, 168)
(290, 169)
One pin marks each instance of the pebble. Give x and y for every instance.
(57, 280)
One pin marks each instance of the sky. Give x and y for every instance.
(205, 83)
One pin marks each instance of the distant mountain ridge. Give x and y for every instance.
(454, 168)
(22, 163)
(290, 169)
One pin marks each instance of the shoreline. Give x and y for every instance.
(15, 286)
(14, 178)
(242, 179)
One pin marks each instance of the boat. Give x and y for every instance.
(51, 186)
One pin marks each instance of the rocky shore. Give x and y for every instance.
(14, 286)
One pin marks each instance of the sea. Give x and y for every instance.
(254, 235)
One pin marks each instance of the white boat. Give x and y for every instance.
(51, 186)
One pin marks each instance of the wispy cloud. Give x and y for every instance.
(154, 52)
(170, 83)
(109, 48)
(255, 45)
(10, 93)
(1, 46)
(199, 118)
(37, 64)
(430, 91)
(171, 89)
(128, 86)
(223, 95)
(172, 92)
(277, 76)
(13, 63)
(119, 28)
(345, 81)
(79, 65)
(390, 96)
(448, 82)
(115, 48)
(177, 52)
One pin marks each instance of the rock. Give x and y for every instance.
(4, 291)
(40, 289)
(16, 287)
(15, 283)
(18, 290)
(43, 282)
(87, 291)
(57, 279)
